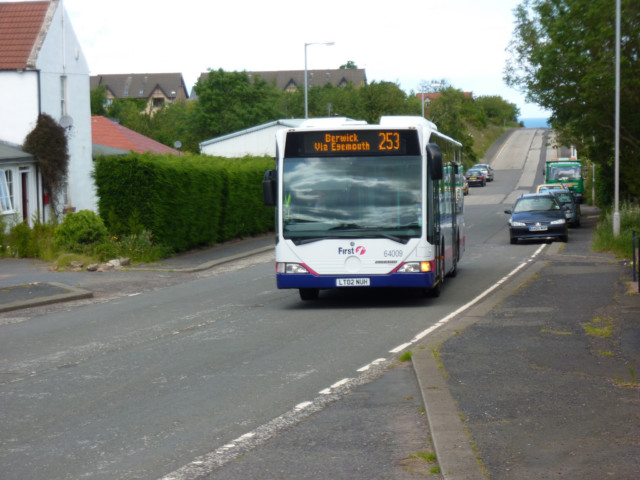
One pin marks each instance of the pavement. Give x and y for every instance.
(541, 379)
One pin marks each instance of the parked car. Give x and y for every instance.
(476, 176)
(570, 205)
(487, 167)
(537, 216)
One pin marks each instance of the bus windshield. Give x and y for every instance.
(352, 197)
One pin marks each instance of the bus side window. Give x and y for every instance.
(434, 160)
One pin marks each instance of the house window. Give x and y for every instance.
(158, 102)
(6, 191)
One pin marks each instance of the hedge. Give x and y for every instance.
(184, 201)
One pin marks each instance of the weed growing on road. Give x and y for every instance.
(556, 332)
(599, 327)
(406, 356)
(416, 462)
(632, 384)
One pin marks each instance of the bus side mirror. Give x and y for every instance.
(434, 161)
(269, 188)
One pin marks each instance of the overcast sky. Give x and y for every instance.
(402, 41)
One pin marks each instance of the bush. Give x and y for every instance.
(80, 231)
(4, 238)
(21, 240)
(137, 247)
(622, 244)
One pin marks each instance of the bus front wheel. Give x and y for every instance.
(309, 293)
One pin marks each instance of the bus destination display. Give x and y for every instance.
(352, 142)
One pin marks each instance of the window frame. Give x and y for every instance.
(6, 191)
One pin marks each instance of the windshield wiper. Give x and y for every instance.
(347, 226)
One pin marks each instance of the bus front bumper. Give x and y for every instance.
(410, 280)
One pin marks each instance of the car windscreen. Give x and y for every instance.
(535, 204)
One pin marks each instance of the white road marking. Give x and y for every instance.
(464, 307)
(207, 463)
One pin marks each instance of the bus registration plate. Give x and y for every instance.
(353, 282)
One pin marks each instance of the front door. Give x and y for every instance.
(25, 195)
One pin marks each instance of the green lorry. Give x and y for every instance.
(567, 171)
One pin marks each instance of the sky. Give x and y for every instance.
(408, 42)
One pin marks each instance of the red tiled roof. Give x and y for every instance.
(20, 27)
(434, 95)
(111, 134)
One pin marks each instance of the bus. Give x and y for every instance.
(366, 205)
(567, 171)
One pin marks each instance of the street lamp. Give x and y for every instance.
(306, 104)
(616, 211)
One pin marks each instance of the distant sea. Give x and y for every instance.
(535, 122)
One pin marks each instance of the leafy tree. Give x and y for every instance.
(497, 109)
(450, 112)
(562, 56)
(98, 97)
(173, 123)
(349, 65)
(384, 98)
(232, 101)
(130, 112)
(47, 142)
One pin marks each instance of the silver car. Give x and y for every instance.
(487, 168)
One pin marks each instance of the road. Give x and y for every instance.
(138, 386)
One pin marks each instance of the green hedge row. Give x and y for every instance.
(184, 201)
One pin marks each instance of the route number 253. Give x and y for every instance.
(389, 141)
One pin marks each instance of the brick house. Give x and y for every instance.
(158, 89)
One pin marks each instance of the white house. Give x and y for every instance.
(43, 70)
(260, 140)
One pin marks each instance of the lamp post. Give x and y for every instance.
(306, 100)
(616, 211)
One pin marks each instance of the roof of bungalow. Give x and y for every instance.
(287, 123)
(10, 151)
(120, 139)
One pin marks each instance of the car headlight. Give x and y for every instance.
(560, 221)
(513, 223)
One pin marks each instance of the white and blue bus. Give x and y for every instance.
(366, 205)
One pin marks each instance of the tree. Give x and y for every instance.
(450, 112)
(497, 109)
(47, 142)
(130, 113)
(173, 123)
(562, 56)
(232, 101)
(349, 65)
(98, 98)
(385, 98)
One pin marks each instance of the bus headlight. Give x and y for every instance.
(415, 267)
(290, 268)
